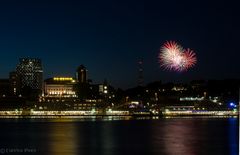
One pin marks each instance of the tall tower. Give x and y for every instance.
(30, 73)
(81, 74)
(140, 73)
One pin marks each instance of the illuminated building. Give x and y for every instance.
(14, 83)
(81, 74)
(103, 89)
(30, 73)
(63, 90)
(89, 105)
(100, 91)
(59, 87)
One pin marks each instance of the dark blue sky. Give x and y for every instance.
(108, 37)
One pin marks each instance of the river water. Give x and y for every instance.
(77, 136)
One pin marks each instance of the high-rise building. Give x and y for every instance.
(30, 73)
(81, 74)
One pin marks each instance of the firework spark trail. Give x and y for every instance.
(190, 56)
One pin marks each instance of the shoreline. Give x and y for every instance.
(102, 116)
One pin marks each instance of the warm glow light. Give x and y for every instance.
(63, 79)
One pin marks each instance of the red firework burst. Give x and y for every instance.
(173, 57)
(190, 58)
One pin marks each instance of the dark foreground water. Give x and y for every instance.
(164, 136)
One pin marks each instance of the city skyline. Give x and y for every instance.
(65, 34)
(119, 77)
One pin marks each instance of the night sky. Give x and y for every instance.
(109, 37)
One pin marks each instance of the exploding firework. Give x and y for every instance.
(190, 57)
(174, 57)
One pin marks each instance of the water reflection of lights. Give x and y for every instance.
(232, 132)
(62, 139)
(178, 138)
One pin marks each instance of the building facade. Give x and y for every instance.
(60, 87)
(30, 73)
(14, 83)
(4, 87)
(81, 74)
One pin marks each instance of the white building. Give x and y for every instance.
(59, 87)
